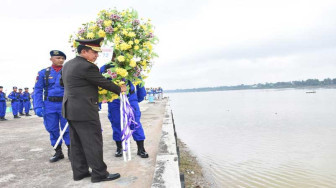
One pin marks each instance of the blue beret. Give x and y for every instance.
(57, 53)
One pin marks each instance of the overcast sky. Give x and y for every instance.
(202, 43)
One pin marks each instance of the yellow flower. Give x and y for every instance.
(144, 27)
(132, 63)
(135, 83)
(123, 46)
(74, 44)
(136, 41)
(130, 43)
(144, 62)
(90, 35)
(101, 33)
(114, 96)
(131, 34)
(116, 39)
(102, 92)
(107, 23)
(125, 32)
(121, 58)
(93, 27)
(122, 72)
(136, 47)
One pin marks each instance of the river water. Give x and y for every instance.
(261, 138)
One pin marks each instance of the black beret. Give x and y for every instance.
(57, 53)
(14, 87)
(26, 88)
(20, 88)
(1, 87)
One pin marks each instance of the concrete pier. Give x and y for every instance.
(25, 151)
(167, 167)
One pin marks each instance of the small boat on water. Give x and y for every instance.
(310, 91)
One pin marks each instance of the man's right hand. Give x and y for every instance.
(39, 112)
(123, 88)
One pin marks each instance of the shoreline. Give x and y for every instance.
(191, 168)
(279, 88)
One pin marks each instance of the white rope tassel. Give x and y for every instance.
(122, 124)
(61, 135)
(127, 132)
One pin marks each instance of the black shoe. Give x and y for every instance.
(21, 114)
(28, 115)
(58, 155)
(16, 117)
(119, 151)
(109, 177)
(141, 149)
(2, 119)
(142, 153)
(88, 174)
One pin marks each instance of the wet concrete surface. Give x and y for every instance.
(25, 151)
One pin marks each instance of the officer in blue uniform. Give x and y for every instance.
(2, 105)
(48, 96)
(136, 95)
(21, 102)
(26, 101)
(32, 97)
(15, 100)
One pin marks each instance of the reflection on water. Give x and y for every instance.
(261, 138)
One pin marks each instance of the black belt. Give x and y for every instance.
(55, 99)
(131, 92)
(2, 100)
(14, 100)
(25, 100)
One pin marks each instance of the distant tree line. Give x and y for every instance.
(292, 84)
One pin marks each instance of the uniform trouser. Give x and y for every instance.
(2, 108)
(53, 122)
(21, 107)
(87, 149)
(114, 117)
(15, 107)
(26, 105)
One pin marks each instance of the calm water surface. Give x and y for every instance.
(261, 138)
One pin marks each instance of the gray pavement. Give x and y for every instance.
(25, 151)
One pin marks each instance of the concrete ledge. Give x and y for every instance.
(167, 172)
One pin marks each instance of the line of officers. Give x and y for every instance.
(20, 102)
(47, 102)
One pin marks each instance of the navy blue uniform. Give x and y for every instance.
(48, 95)
(2, 104)
(21, 105)
(136, 95)
(15, 96)
(26, 101)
